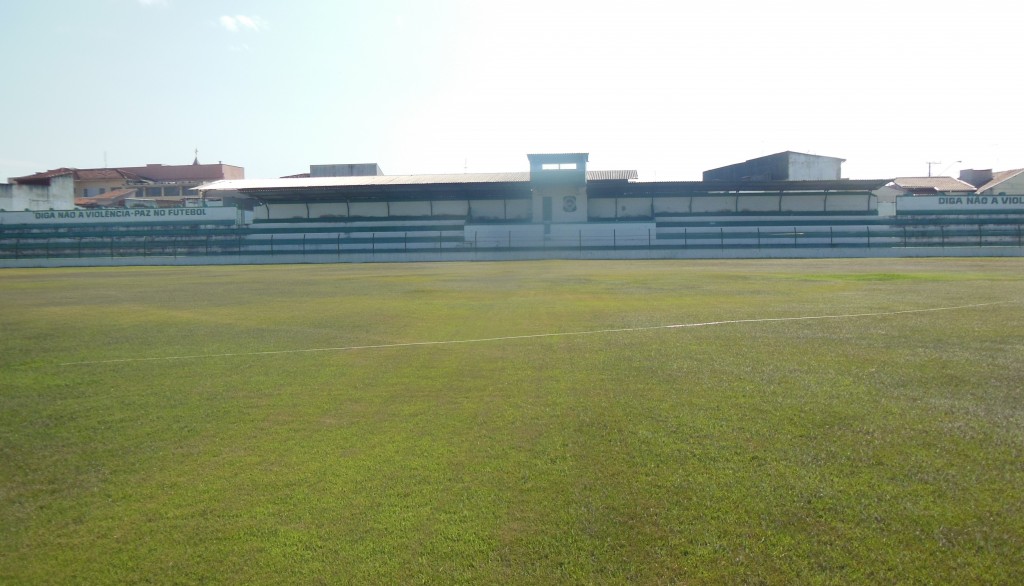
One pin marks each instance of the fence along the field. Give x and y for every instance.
(302, 239)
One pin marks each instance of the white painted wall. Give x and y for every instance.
(121, 216)
(59, 195)
(501, 235)
(619, 208)
(368, 209)
(634, 207)
(601, 209)
(561, 234)
(286, 211)
(6, 197)
(451, 208)
(851, 203)
(758, 203)
(328, 210)
(1012, 186)
(670, 205)
(568, 203)
(714, 204)
(487, 209)
(519, 209)
(410, 208)
(604, 234)
(803, 203)
(974, 203)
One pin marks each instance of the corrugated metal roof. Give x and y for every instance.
(999, 177)
(611, 176)
(670, 188)
(386, 180)
(362, 180)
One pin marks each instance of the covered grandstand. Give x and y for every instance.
(558, 209)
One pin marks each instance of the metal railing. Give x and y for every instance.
(243, 242)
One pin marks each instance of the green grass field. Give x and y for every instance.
(876, 449)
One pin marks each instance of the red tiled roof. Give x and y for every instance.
(113, 197)
(79, 175)
(194, 173)
(42, 176)
(100, 174)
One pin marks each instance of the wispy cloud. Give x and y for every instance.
(241, 22)
(153, 2)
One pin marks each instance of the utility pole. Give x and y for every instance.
(944, 169)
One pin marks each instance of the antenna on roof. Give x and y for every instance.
(196, 161)
(930, 163)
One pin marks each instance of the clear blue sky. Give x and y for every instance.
(667, 88)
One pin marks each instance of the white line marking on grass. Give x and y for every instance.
(529, 336)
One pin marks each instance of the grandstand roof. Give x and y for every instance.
(394, 180)
(742, 186)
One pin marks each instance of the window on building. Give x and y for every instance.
(559, 166)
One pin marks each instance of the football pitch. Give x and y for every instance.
(791, 421)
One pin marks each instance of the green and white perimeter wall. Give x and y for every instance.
(916, 226)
